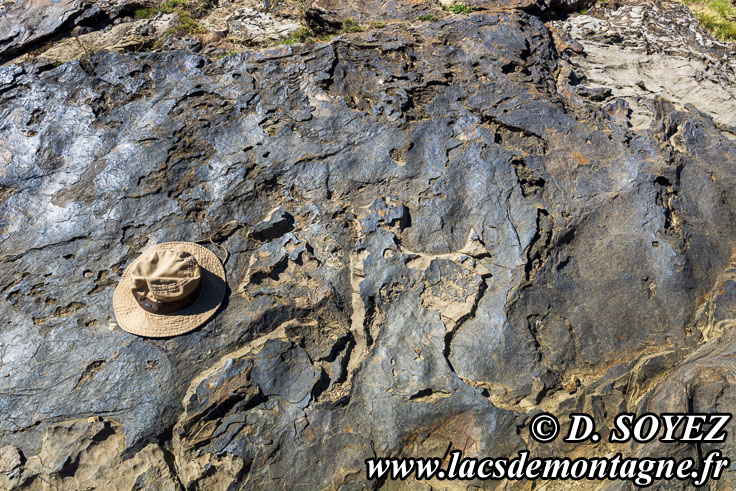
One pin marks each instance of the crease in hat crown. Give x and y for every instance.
(165, 275)
(170, 289)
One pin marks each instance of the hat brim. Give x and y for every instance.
(132, 318)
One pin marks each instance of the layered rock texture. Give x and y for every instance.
(442, 227)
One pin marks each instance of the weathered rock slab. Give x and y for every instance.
(434, 230)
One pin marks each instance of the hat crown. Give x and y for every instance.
(165, 275)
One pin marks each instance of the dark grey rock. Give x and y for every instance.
(274, 226)
(26, 25)
(442, 235)
(22, 25)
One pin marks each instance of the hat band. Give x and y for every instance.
(164, 308)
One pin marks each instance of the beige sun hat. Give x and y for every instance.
(170, 289)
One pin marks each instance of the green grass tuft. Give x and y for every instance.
(227, 53)
(186, 25)
(303, 35)
(146, 13)
(428, 17)
(458, 8)
(168, 7)
(717, 16)
(349, 25)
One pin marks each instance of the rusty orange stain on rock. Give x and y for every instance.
(580, 159)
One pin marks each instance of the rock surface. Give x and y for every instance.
(130, 36)
(245, 23)
(26, 24)
(435, 230)
(60, 31)
(643, 49)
